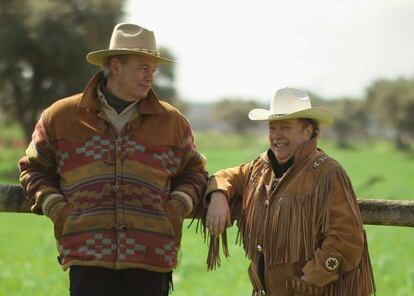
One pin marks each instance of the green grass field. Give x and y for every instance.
(28, 264)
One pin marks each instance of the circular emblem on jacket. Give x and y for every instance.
(331, 263)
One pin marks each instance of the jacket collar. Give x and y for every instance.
(148, 105)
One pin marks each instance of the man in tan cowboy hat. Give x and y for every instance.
(116, 170)
(295, 209)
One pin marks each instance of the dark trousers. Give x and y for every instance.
(98, 281)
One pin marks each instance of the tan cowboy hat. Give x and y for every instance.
(128, 39)
(289, 103)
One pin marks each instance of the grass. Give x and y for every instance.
(11, 150)
(28, 263)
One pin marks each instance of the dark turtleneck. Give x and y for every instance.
(278, 169)
(118, 104)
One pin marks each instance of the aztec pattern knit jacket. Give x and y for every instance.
(307, 222)
(117, 186)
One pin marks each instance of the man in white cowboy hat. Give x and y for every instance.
(297, 214)
(116, 170)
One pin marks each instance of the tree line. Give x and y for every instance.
(386, 112)
(43, 44)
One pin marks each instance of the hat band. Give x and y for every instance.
(140, 49)
(275, 116)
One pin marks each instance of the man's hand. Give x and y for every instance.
(218, 213)
(305, 279)
(54, 211)
(176, 214)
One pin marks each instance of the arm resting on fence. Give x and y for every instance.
(374, 211)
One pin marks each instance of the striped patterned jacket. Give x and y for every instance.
(117, 185)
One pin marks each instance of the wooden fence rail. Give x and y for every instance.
(374, 211)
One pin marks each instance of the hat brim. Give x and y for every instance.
(320, 115)
(98, 57)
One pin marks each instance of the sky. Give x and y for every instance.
(249, 49)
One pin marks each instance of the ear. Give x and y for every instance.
(308, 131)
(114, 65)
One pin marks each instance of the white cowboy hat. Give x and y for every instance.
(289, 103)
(128, 39)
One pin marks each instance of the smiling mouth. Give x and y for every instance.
(280, 145)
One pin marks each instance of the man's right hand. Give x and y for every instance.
(218, 213)
(52, 204)
(55, 211)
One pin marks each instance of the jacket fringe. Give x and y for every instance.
(213, 257)
(296, 233)
(358, 282)
(297, 225)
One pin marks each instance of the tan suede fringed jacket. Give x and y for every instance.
(307, 222)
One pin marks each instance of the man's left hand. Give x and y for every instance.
(305, 279)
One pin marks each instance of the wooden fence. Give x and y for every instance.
(374, 211)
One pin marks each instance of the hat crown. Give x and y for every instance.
(289, 100)
(128, 39)
(291, 103)
(132, 36)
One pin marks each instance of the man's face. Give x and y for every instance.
(132, 80)
(285, 137)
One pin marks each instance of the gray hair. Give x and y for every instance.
(106, 70)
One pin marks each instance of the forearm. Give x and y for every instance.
(229, 181)
(343, 242)
(189, 183)
(189, 186)
(38, 172)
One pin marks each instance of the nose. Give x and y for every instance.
(149, 76)
(277, 134)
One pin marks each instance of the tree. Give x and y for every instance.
(392, 101)
(164, 83)
(233, 112)
(43, 44)
(351, 119)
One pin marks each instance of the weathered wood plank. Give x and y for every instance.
(374, 211)
(387, 212)
(12, 199)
